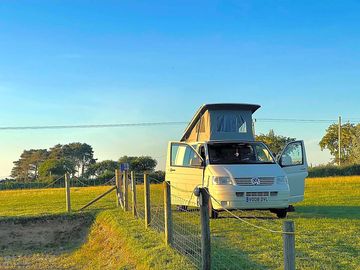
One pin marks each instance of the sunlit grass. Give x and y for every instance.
(327, 225)
(35, 202)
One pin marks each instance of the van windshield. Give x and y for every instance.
(239, 153)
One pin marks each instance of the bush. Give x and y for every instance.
(332, 170)
(6, 185)
(157, 176)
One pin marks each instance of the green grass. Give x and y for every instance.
(327, 226)
(36, 202)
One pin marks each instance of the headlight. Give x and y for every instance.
(222, 181)
(282, 180)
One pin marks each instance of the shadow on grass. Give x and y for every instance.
(344, 212)
(52, 234)
(223, 257)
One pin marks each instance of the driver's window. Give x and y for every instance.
(292, 155)
(184, 156)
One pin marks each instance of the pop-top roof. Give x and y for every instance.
(244, 110)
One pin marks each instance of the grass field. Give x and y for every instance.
(327, 225)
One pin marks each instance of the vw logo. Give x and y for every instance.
(255, 181)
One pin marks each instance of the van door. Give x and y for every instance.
(184, 171)
(294, 163)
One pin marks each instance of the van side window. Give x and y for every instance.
(184, 156)
(292, 155)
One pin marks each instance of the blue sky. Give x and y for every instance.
(80, 62)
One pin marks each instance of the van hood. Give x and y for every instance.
(246, 170)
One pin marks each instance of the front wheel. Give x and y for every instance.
(281, 213)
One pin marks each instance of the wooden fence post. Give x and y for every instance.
(117, 183)
(126, 190)
(168, 214)
(147, 201)
(205, 229)
(133, 194)
(289, 245)
(67, 190)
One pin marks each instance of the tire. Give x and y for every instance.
(281, 213)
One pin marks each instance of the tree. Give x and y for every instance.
(26, 168)
(53, 168)
(81, 154)
(140, 164)
(355, 146)
(56, 152)
(76, 157)
(102, 170)
(330, 141)
(276, 143)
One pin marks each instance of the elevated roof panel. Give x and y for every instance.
(217, 106)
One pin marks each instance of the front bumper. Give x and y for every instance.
(234, 197)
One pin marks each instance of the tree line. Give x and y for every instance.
(76, 159)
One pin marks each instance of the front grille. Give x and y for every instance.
(264, 181)
(257, 194)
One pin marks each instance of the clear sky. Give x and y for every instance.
(96, 62)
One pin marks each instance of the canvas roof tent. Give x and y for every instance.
(221, 122)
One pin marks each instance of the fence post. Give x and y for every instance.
(205, 229)
(117, 183)
(126, 190)
(168, 214)
(133, 194)
(289, 245)
(147, 201)
(67, 190)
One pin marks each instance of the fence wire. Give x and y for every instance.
(187, 231)
(253, 240)
(58, 182)
(186, 220)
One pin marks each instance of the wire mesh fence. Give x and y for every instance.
(239, 240)
(186, 232)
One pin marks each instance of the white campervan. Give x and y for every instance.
(219, 151)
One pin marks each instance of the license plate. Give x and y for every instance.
(256, 199)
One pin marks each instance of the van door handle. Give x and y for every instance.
(302, 169)
(172, 170)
